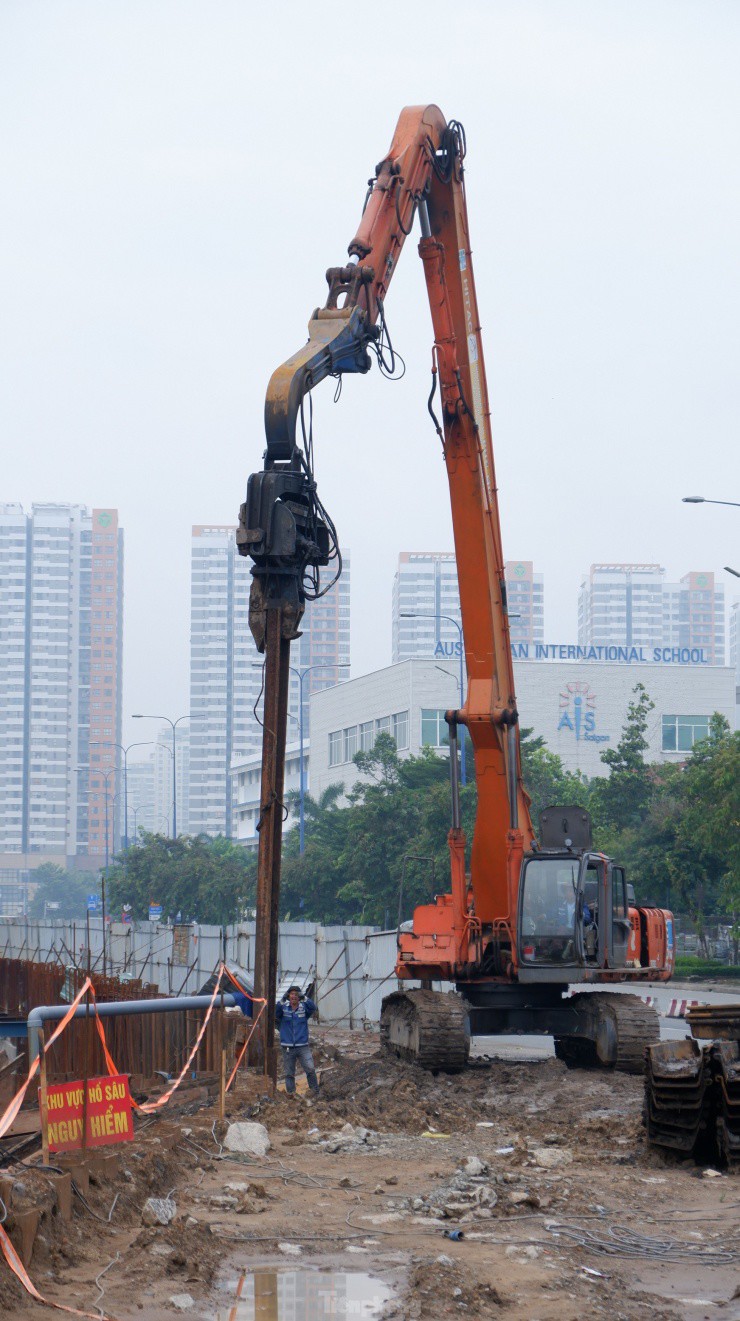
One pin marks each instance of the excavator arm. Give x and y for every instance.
(423, 173)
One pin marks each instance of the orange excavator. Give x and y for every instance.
(535, 913)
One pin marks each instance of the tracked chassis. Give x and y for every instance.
(619, 1028)
(427, 1028)
(591, 1029)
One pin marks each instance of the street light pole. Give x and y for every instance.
(174, 724)
(106, 776)
(143, 807)
(99, 743)
(702, 500)
(425, 614)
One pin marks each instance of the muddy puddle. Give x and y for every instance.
(303, 1295)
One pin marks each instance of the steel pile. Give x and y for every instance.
(678, 1090)
(726, 1069)
(692, 1091)
(715, 1022)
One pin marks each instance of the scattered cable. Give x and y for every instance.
(277, 1237)
(620, 1241)
(98, 1278)
(370, 1233)
(104, 1220)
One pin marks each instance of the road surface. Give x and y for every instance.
(671, 1029)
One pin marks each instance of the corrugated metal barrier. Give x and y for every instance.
(139, 1045)
(351, 966)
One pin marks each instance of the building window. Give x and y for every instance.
(335, 748)
(350, 742)
(680, 733)
(434, 731)
(367, 736)
(383, 725)
(400, 729)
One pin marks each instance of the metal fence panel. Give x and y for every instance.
(351, 966)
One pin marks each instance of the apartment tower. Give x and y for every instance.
(61, 629)
(426, 604)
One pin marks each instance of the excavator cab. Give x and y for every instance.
(573, 909)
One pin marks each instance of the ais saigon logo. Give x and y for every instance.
(577, 712)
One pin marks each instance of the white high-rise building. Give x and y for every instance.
(224, 685)
(621, 604)
(632, 605)
(226, 672)
(426, 604)
(61, 627)
(322, 653)
(694, 615)
(141, 807)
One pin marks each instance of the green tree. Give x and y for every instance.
(545, 778)
(622, 799)
(206, 880)
(310, 881)
(705, 860)
(66, 890)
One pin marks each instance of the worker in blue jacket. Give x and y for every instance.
(292, 1015)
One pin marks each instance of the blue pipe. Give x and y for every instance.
(115, 1009)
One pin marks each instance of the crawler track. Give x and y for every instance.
(617, 1030)
(429, 1028)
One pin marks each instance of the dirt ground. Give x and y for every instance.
(563, 1211)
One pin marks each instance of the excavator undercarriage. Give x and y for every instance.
(598, 1029)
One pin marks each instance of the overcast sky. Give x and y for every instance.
(178, 174)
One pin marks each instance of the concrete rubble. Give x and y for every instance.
(248, 1138)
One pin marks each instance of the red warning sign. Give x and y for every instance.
(109, 1117)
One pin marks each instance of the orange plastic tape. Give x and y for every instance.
(17, 1101)
(243, 1050)
(150, 1106)
(18, 1269)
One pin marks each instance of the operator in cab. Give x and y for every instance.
(292, 1015)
